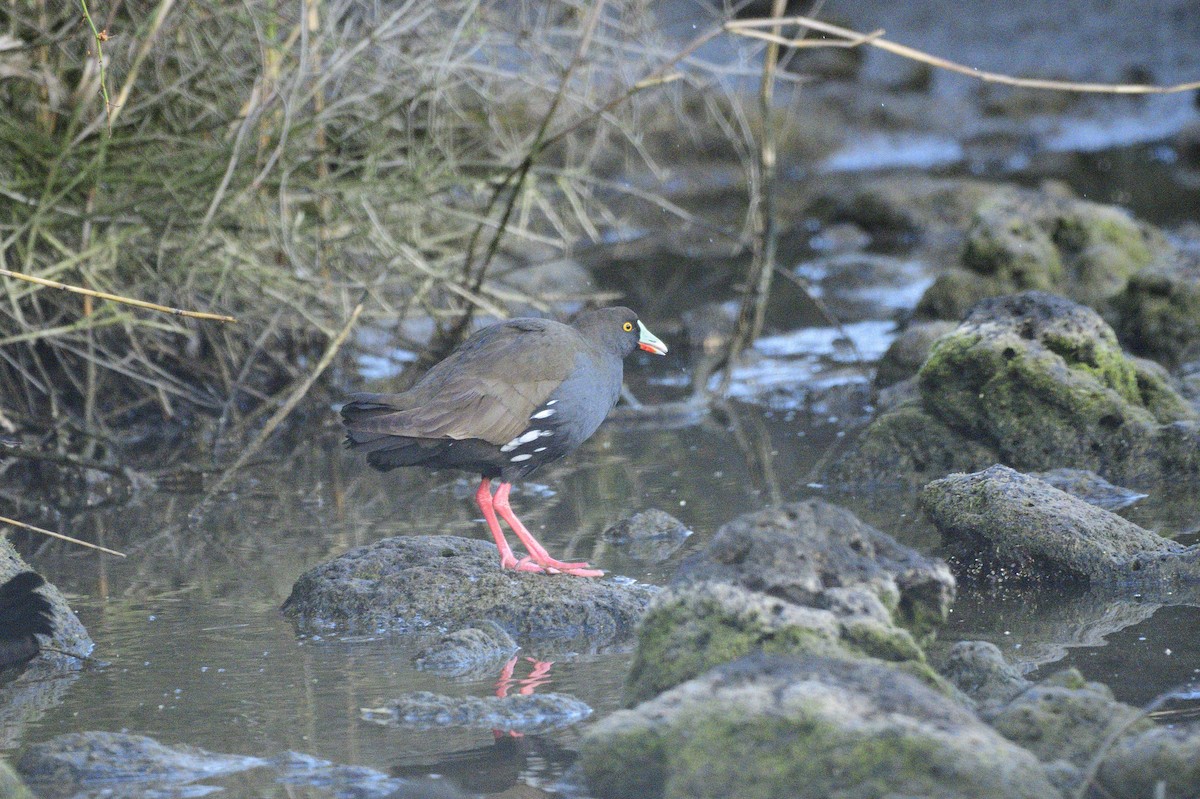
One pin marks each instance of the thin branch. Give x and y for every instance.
(750, 27)
(54, 284)
(52, 534)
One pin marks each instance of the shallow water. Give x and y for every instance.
(198, 652)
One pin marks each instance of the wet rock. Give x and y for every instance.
(1064, 717)
(1161, 761)
(908, 351)
(1037, 382)
(1157, 314)
(651, 536)
(802, 551)
(804, 578)
(979, 670)
(112, 757)
(350, 782)
(411, 583)
(1014, 525)
(1090, 487)
(69, 634)
(467, 651)
(530, 713)
(692, 628)
(1083, 250)
(932, 208)
(769, 726)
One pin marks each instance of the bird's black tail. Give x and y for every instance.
(24, 614)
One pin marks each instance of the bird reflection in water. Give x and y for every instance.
(496, 770)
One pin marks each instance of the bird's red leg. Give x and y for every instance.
(536, 551)
(507, 559)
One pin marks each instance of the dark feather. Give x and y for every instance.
(24, 614)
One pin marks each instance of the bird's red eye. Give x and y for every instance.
(627, 327)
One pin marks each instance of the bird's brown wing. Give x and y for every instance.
(486, 389)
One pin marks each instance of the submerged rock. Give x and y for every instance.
(804, 578)
(1090, 487)
(651, 535)
(1007, 523)
(1037, 382)
(803, 727)
(411, 583)
(530, 713)
(89, 757)
(468, 650)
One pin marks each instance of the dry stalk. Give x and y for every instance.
(851, 38)
(102, 295)
(52, 534)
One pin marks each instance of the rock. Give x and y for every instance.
(769, 726)
(1160, 761)
(351, 782)
(69, 634)
(1010, 524)
(803, 578)
(90, 757)
(532, 713)
(1032, 240)
(1037, 382)
(1090, 487)
(908, 351)
(652, 535)
(411, 583)
(978, 669)
(467, 651)
(1157, 314)
(801, 551)
(692, 628)
(1064, 717)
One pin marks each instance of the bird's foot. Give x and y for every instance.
(523, 565)
(576, 571)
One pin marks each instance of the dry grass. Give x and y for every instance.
(276, 162)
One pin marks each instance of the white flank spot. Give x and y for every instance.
(543, 414)
(511, 445)
(519, 458)
(550, 402)
(529, 435)
(545, 433)
(540, 449)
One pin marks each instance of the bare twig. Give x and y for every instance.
(52, 534)
(54, 284)
(853, 38)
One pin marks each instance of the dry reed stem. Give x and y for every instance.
(853, 38)
(103, 295)
(279, 415)
(52, 534)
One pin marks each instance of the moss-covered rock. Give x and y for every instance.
(766, 727)
(692, 628)
(1037, 382)
(1157, 314)
(1034, 240)
(908, 351)
(1065, 717)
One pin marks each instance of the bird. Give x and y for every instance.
(513, 397)
(24, 614)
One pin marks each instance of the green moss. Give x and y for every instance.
(630, 763)
(681, 640)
